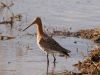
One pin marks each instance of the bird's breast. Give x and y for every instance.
(38, 40)
(39, 37)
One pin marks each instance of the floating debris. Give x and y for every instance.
(75, 42)
(4, 37)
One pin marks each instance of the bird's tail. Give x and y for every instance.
(65, 52)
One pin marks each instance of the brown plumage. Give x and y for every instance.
(51, 46)
(46, 43)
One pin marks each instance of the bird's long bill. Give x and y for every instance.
(28, 26)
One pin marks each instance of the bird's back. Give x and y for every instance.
(51, 46)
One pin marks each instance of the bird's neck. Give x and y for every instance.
(40, 29)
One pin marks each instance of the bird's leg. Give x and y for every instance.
(47, 63)
(47, 68)
(47, 59)
(54, 59)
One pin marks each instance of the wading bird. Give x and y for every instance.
(46, 43)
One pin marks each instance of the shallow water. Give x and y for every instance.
(78, 14)
(21, 56)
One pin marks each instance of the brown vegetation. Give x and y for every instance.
(6, 37)
(66, 73)
(8, 20)
(93, 34)
(91, 65)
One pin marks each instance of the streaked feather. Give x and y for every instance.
(49, 44)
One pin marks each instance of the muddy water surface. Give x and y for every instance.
(21, 56)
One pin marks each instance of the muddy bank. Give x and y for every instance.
(91, 64)
(92, 34)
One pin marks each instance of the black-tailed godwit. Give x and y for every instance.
(46, 43)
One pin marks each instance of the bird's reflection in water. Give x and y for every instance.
(53, 69)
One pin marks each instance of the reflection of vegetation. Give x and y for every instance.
(11, 20)
(3, 5)
(6, 6)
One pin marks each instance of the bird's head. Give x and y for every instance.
(37, 21)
